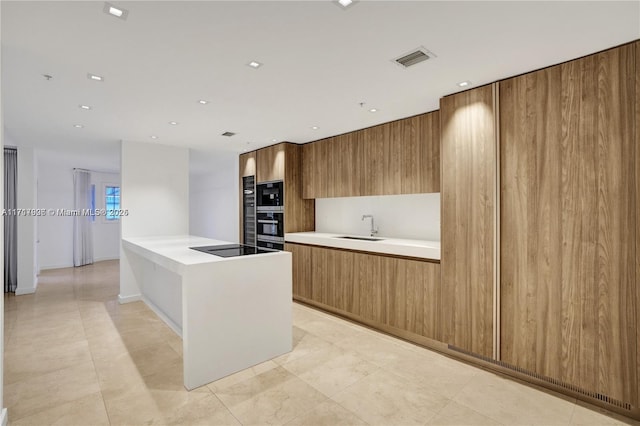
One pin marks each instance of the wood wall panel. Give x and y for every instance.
(468, 150)
(568, 203)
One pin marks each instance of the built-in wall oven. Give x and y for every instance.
(270, 215)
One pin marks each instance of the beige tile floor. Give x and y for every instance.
(74, 356)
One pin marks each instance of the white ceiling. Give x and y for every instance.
(320, 62)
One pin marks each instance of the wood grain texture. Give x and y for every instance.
(468, 149)
(377, 289)
(530, 116)
(270, 163)
(248, 164)
(637, 214)
(569, 223)
(412, 296)
(247, 167)
(299, 214)
(419, 145)
(400, 157)
(302, 273)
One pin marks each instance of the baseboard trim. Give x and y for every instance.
(172, 325)
(104, 259)
(4, 417)
(129, 299)
(50, 267)
(21, 291)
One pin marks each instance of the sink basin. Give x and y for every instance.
(362, 238)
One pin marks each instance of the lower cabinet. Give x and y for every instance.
(400, 295)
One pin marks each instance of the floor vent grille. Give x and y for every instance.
(556, 382)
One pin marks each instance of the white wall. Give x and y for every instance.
(55, 191)
(213, 195)
(26, 199)
(155, 191)
(55, 233)
(413, 216)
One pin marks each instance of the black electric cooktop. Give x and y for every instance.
(232, 250)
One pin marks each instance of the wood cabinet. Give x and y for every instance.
(468, 198)
(302, 273)
(281, 162)
(637, 213)
(569, 218)
(248, 164)
(247, 168)
(400, 157)
(399, 295)
(271, 163)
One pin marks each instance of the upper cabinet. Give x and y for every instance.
(283, 162)
(468, 203)
(248, 164)
(401, 157)
(271, 163)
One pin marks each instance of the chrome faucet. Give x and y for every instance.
(374, 230)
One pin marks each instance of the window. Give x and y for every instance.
(112, 202)
(93, 203)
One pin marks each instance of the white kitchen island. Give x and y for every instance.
(232, 313)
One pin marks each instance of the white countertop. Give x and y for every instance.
(395, 246)
(173, 252)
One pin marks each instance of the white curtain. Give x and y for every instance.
(82, 229)
(10, 221)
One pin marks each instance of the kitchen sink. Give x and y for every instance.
(362, 238)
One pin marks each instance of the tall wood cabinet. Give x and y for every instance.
(247, 168)
(400, 157)
(569, 223)
(281, 162)
(468, 204)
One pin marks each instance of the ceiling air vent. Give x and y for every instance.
(414, 57)
(228, 134)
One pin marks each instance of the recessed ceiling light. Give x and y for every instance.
(254, 64)
(373, 110)
(116, 11)
(87, 107)
(315, 127)
(274, 140)
(464, 83)
(78, 126)
(345, 4)
(153, 137)
(203, 102)
(94, 77)
(173, 123)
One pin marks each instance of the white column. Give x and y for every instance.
(155, 192)
(26, 199)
